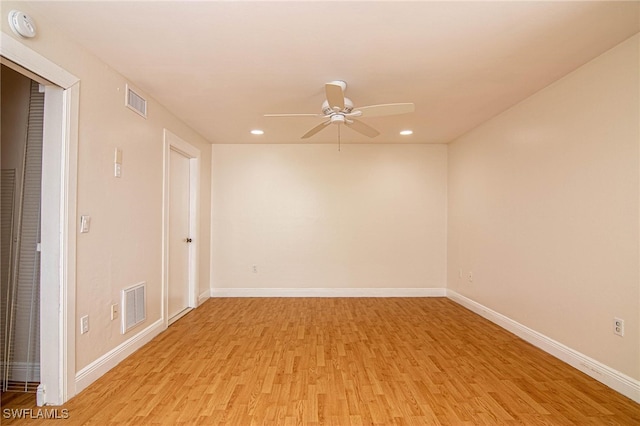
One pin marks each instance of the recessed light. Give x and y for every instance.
(406, 132)
(257, 132)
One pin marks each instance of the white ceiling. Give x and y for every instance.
(220, 66)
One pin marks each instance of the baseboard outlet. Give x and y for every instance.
(616, 380)
(100, 366)
(328, 292)
(204, 296)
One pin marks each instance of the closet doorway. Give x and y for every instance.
(20, 207)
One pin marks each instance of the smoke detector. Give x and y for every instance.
(22, 24)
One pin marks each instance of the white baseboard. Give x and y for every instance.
(616, 380)
(328, 292)
(106, 362)
(204, 296)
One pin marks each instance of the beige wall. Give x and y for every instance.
(308, 216)
(543, 209)
(124, 245)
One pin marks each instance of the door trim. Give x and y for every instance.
(59, 206)
(173, 142)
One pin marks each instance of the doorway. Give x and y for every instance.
(179, 236)
(21, 154)
(180, 219)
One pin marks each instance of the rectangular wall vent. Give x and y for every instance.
(133, 306)
(135, 102)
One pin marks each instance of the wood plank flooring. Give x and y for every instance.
(340, 361)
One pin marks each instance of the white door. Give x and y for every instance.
(179, 238)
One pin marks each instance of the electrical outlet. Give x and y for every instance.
(84, 324)
(254, 269)
(470, 276)
(114, 311)
(618, 326)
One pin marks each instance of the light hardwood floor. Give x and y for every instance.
(342, 361)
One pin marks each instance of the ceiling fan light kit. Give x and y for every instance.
(338, 109)
(337, 119)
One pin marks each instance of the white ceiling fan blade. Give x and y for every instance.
(335, 95)
(385, 109)
(315, 129)
(294, 115)
(360, 127)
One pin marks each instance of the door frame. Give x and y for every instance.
(59, 211)
(175, 143)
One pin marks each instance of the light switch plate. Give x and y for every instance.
(117, 159)
(84, 324)
(85, 223)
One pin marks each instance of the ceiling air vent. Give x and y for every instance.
(136, 102)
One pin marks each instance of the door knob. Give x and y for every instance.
(188, 240)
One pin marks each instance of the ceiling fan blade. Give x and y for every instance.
(315, 129)
(335, 95)
(385, 109)
(294, 115)
(360, 127)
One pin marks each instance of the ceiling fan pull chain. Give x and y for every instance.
(338, 138)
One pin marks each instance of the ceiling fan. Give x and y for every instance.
(337, 109)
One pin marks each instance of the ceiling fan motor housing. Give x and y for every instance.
(348, 107)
